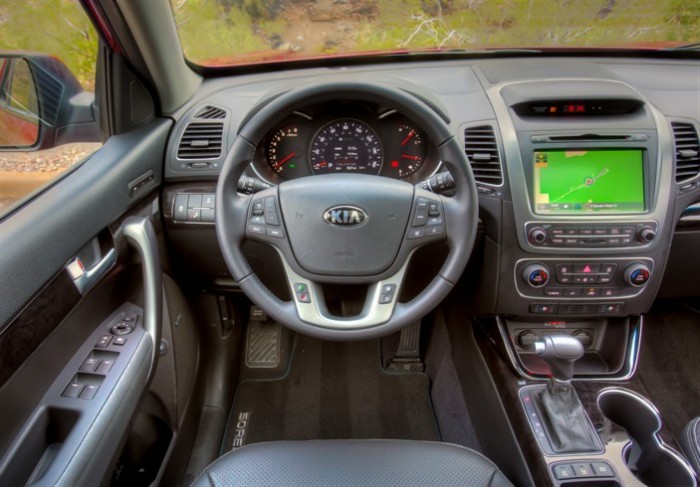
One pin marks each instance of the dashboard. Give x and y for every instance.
(345, 138)
(583, 168)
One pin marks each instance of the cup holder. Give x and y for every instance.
(647, 457)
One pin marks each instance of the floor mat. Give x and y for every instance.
(332, 390)
(670, 361)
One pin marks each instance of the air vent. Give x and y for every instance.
(687, 151)
(482, 150)
(201, 140)
(211, 113)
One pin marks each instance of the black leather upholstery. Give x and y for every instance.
(352, 462)
(690, 442)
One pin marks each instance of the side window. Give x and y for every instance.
(48, 54)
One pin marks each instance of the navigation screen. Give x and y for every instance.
(588, 181)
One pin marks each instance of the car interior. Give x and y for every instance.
(441, 268)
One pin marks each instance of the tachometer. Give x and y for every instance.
(346, 146)
(285, 152)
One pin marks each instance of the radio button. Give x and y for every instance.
(615, 231)
(573, 292)
(609, 291)
(586, 231)
(554, 292)
(557, 241)
(556, 231)
(591, 292)
(614, 242)
(571, 242)
(608, 268)
(600, 231)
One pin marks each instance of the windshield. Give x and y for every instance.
(230, 32)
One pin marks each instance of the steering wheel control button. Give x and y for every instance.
(256, 229)
(435, 230)
(271, 217)
(420, 218)
(301, 291)
(536, 275)
(387, 293)
(275, 232)
(416, 233)
(258, 208)
(257, 219)
(433, 209)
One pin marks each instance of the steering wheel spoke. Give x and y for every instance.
(380, 301)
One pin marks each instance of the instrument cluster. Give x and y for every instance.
(345, 138)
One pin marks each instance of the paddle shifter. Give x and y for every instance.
(562, 413)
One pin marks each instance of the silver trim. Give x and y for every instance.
(90, 277)
(372, 314)
(655, 435)
(627, 371)
(141, 236)
(500, 146)
(661, 197)
(562, 260)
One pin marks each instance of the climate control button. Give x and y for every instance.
(536, 275)
(637, 274)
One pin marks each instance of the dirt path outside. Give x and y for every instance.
(22, 173)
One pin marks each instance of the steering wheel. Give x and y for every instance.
(346, 228)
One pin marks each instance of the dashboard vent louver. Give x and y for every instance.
(687, 151)
(201, 140)
(481, 148)
(211, 113)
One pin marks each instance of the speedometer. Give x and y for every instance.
(346, 145)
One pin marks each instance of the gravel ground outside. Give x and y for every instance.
(21, 173)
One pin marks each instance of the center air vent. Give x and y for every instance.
(482, 150)
(687, 151)
(201, 140)
(211, 113)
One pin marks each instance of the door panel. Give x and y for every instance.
(49, 328)
(41, 237)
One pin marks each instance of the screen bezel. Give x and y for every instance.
(574, 212)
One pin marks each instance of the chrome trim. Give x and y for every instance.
(584, 299)
(691, 214)
(95, 273)
(372, 314)
(141, 236)
(655, 435)
(626, 373)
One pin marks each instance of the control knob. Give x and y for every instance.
(637, 274)
(538, 235)
(536, 275)
(647, 234)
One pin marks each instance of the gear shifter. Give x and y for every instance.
(560, 352)
(560, 408)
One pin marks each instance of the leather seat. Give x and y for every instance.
(690, 442)
(352, 462)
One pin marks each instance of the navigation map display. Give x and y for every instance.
(588, 181)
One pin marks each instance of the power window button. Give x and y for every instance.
(73, 390)
(89, 391)
(89, 365)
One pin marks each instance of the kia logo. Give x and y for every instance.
(345, 216)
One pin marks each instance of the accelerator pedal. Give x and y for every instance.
(407, 356)
(263, 339)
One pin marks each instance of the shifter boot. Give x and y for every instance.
(565, 419)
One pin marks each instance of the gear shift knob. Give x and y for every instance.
(560, 352)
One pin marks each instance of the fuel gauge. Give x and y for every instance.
(406, 152)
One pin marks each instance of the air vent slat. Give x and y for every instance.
(201, 140)
(687, 151)
(211, 113)
(481, 148)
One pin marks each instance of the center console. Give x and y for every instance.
(584, 241)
